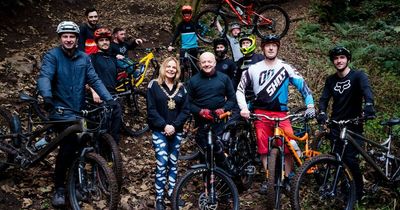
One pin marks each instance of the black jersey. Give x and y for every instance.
(347, 93)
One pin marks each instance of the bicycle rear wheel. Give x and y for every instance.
(5, 128)
(134, 113)
(191, 191)
(271, 19)
(109, 150)
(313, 185)
(206, 25)
(189, 149)
(92, 184)
(274, 181)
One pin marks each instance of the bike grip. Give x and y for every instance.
(224, 115)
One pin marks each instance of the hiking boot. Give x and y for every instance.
(263, 188)
(160, 204)
(58, 197)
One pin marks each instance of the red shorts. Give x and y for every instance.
(265, 129)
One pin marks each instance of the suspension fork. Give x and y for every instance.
(81, 167)
(210, 174)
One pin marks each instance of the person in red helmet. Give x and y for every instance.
(188, 38)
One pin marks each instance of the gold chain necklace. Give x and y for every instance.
(171, 102)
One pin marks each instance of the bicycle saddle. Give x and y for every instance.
(391, 122)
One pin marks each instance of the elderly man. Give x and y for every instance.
(210, 92)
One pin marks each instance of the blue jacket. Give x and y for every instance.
(63, 79)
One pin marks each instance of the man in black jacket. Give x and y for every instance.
(210, 92)
(106, 67)
(348, 88)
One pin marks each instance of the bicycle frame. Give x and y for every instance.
(248, 10)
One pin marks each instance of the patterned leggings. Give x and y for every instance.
(167, 151)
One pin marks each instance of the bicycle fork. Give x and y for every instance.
(210, 175)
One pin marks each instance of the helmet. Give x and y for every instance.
(102, 33)
(234, 25)
(67, 27)
(251, 48)
(187, 9)
(339, 50)
(271, 38)
(218, 42)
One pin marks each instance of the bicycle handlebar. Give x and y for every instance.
(278, 119)
(83, 113)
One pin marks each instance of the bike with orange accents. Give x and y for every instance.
(276, 159)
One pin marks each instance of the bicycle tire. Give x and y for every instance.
(189, 149)
(134, 113)
(205, 25)
(102, 190)
(274, 179)
(280, 21)
(309, 190)
(109, 150)
(5, 128)
(194, 197)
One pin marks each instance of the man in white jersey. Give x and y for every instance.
(270, 79)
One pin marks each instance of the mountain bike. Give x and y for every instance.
(133, 102)
(326, 181)
(89, 175)
(206, 186)
(276, 172)
(269, 19)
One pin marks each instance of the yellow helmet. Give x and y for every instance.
(250, 49)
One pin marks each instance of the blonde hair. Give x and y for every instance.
(161, 77)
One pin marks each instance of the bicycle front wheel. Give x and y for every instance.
(274, 181)
(109, 150)
(192, 192)
(134, 113)
(314, 187)
(271, 19)
(206, 25)
(92, 184)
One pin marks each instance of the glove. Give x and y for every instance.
(369, 111)
(206, 114)
(310, 112)
(321, 118)
(48, 104)
(218, 112)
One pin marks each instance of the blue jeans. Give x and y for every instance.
(166, 151)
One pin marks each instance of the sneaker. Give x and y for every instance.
(263, 188)
(58, 197)
(160, 204)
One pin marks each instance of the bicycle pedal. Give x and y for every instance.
(250, 170)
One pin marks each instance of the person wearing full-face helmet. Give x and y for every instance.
(247, 47)
(63, 75)
(224, 63)
(185, 30)
(352, 97)
(270, 80)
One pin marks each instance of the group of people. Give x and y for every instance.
(85, 62)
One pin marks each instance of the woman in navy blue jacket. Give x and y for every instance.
(167, 109)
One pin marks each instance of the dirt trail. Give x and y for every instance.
(26, 36)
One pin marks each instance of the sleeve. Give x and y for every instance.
(325, 97)
(176, 34)
(298, 81)
(132, 44)
(153, 117)
(193, 108)
(241, 90)
(95, 82)
(366, 88)
(46, 75)
(230, 95)
(184, 113)
(81, 38)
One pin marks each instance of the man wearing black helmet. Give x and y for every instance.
(349, 89)
(270, 80)
(63, 75)
(224, 64)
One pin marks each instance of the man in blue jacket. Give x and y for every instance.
(64, 73)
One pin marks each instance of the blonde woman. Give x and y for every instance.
(167, 109)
